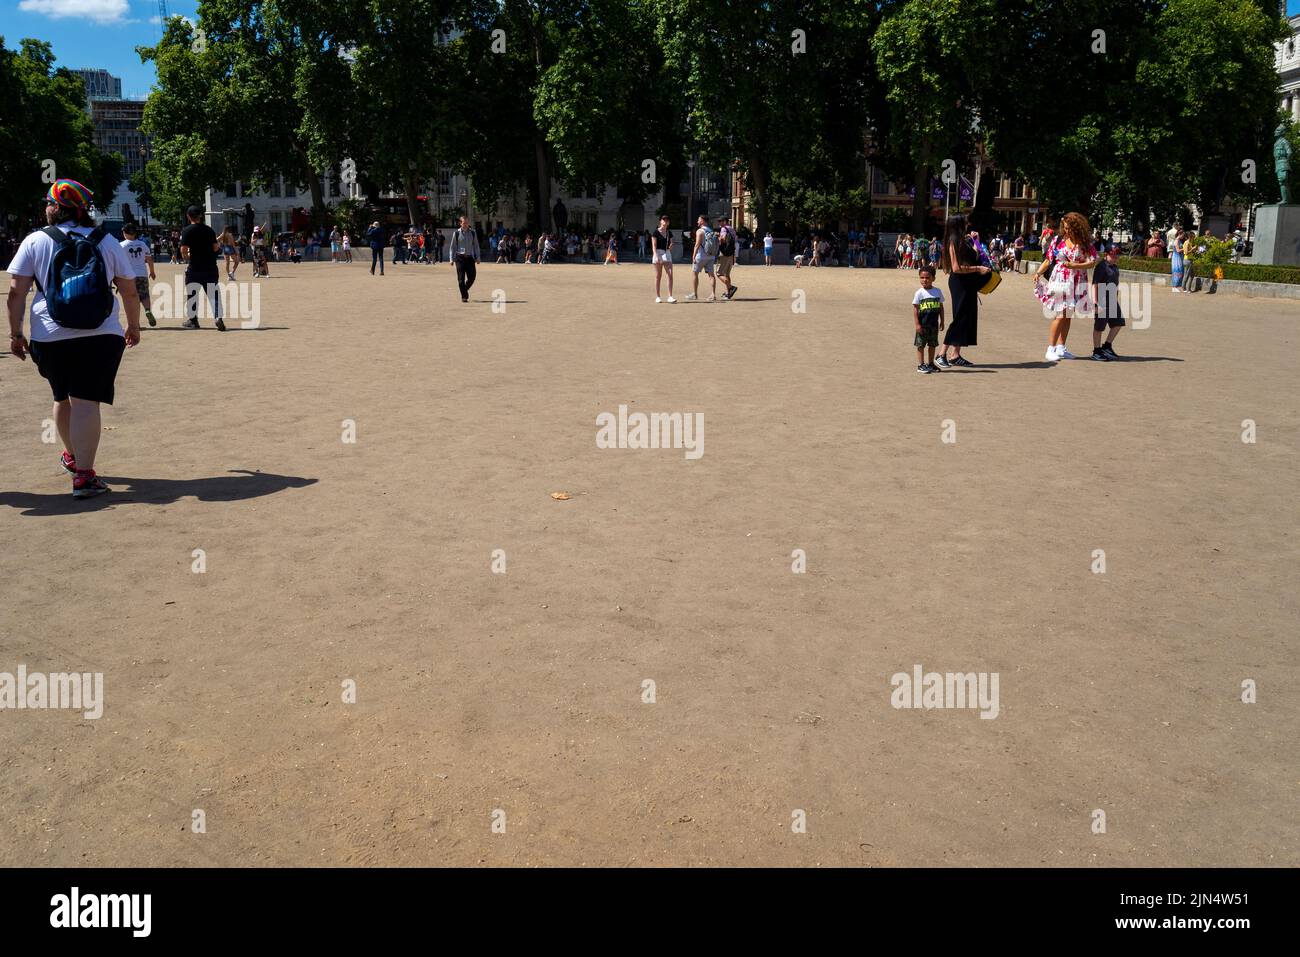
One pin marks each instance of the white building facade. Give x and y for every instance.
(1286, 57)
(447, 197)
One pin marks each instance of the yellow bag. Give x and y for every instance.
(994, 280)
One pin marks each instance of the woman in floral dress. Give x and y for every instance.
(1064, 291)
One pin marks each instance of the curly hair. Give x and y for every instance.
(1075, 227)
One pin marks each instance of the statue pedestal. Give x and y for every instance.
(1216, 223)
(1277, 236)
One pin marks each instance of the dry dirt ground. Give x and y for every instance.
(518, 697)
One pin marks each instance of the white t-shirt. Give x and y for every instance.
(33, 259)
(929, 300)
(136, 251)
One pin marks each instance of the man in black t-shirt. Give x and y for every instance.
(199, 247)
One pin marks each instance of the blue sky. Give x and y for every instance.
(94, 33)
(105, 33)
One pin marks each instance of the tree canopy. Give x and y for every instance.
(45, 131)
(1127, 111)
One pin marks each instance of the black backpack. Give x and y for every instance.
(78, 294)
(727, 245)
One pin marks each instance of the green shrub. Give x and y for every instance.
(1210, 252)
(1245, 272)
(1254, 273)
(1145, 264)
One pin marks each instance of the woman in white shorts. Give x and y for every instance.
(661, 254)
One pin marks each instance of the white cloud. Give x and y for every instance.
(99, 11)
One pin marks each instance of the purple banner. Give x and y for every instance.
(965, 190)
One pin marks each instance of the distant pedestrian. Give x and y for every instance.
(1063, 288)
(661, 252)
(141, 258)
(927, 316)
(230, 250)
(376, 239)
(726, 255)
(199, 246)
(1106, 306)
(965, 278)
(465, 254)
(703, 256)
(1176, 262)
(260, 267)
(767, 247)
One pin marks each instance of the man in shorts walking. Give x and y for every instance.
(703, 258)
(726, 255)
(79, 363)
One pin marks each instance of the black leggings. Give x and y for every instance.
(466, 272)
(208, 288)
(376, 256)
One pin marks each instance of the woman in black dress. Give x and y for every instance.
(965, 278)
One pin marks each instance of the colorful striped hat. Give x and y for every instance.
(68, 192)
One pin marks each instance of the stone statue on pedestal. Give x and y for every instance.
(1282, 164)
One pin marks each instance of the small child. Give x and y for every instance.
(927, 311)
(1105, 295)
(138, 252)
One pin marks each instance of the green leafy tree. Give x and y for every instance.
(766, 82)
(610, 101)
(258, 89)
(45, 130)
(410, 89)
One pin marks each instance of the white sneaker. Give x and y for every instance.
(657, 299)
(711, 299)
(690, 296)
(671, 299)
(1050, 355)
(1064, 353)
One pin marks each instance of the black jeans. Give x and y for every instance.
(466, 272)
(376, 256)
(207, 285)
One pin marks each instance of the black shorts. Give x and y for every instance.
(82, 368)
(1103, 320)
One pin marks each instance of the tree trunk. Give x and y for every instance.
(758, 173)
(412, 189)
(1140, 219)
(921, 201)
(317, 194)
(313, 183)
(982, 215)
(539, 142)
(543, 184)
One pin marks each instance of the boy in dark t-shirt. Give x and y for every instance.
(1105, 296)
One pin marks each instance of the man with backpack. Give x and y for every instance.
(706, 252)
(726, 255)
(77, 339)
(199, 246)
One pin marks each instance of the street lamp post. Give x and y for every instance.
(690, 193)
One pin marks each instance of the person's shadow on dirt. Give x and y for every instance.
(241, 484)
